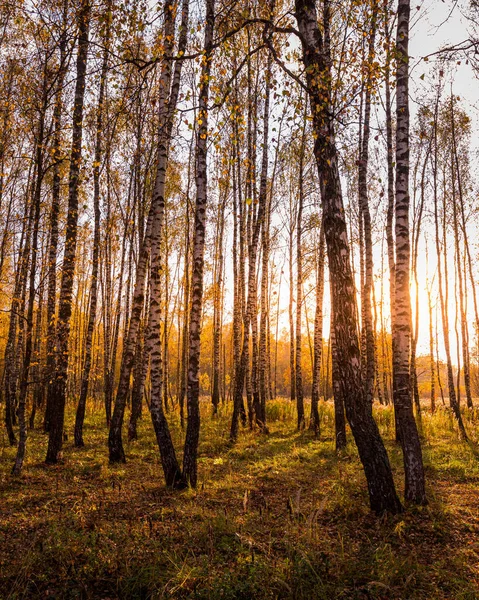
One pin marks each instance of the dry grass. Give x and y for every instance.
(280, 516)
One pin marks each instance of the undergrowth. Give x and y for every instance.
(275, 516)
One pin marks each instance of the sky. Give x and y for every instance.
(438, 24)
(435, 25)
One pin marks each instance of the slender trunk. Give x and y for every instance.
(384, 353)
(22, 396)
(107, 300)
(276, 335)
(193, 392)
(186, 302)
(140, 358)
(365, 217)
(243, 372)
(415, 243)
(260, 411)
(33, 227)
(390, 191)
(292, 362)
(443, 301)
(9, 375)
(299, 284)
(377, 384)
(318, 343)
(80, 414)
(431, 352)
(252, 391)
(456, 176)
(54, 214)
(139, 375)
(166, 285)
(36, 367)
(218, 299)
(339, 412)
(237, 307)
(59, 384)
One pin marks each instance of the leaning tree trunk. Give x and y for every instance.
(413, 468)
(192, 397)
(22, 396)
(467, 249)
(59, 383)
(373, 455)
(171, 467)
(9, 374)
(115, 443)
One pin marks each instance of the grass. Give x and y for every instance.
(278, 516)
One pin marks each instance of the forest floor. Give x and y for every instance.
(277, 516)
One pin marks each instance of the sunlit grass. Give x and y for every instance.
(277, 516)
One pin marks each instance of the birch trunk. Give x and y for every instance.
(431, 352)
(54, 214)
(193, 392)
(365, 217)
(35, 215)
(171, 467)
(59, 384)
(10, 375)
(292, 361)
(80, 414)
(456, 177)
(339, 413)
(390, 189)
(299, 286)
(443, 301)
(315, 423)
(167, 104)
(218, 301)
(243, 372)
(409, 437)
(260, 411)
(373, 455)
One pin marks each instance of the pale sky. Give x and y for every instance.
(436, 25)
